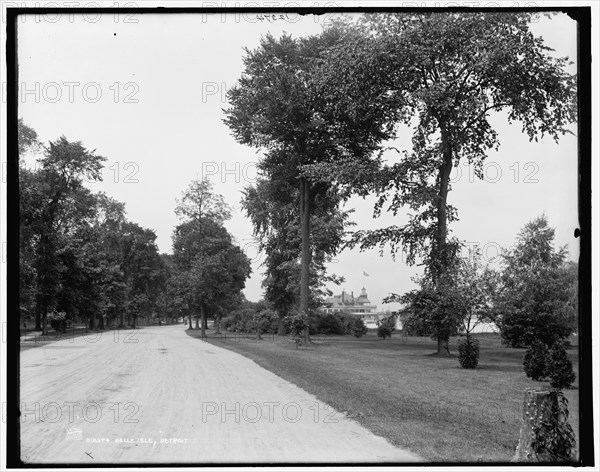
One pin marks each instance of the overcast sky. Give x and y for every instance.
(147, 92)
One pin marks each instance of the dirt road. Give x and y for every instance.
(156, 395)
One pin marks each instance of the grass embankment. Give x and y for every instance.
(398, 390)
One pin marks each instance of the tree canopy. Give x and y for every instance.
(276, 106)
(211, 270)
(443, 73)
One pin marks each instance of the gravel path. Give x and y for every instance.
(156, 395)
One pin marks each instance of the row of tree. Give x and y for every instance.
(79, 256)
(322, 109)
(81, 259)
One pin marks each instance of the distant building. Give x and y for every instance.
(359, 306)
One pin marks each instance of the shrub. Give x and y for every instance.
(228, 323)
(386, 327)
(331, 324)
(560, 367)
(314, 319)
(535, 362)
(295, 325)
(347, 321)
(239, 321)
(266, 322)
(58, 320)
(359, 328)
(468, 352)
(384, 331)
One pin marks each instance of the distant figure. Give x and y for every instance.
(159, 322)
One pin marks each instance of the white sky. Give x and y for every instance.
(171, 72)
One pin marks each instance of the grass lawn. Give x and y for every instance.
(398, 390)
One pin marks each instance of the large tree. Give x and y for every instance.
(271, 206)
(91, 280)
(143, 270)
(211, 267)
(444, 73)
(30, 201)
(277, 106)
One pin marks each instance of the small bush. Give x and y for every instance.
(384, 331)
(239, 321)
(535, 363)
(228, 323)
(468, 352)
(265, 322)
(314, 318)
(347, 321)
(331, 324)
(58, 320)
(359, 328)
(295, 325)
(560, 367)
(386, 327)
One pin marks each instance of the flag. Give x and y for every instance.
(365, 274)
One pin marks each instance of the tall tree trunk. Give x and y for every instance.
(306, 252)
(47, 273)
(44, 324)
(101, 322)
(218, 324)
(441, 258)
(165, 311)
(190, 321)
(41, 303)
(443, 349)
(38, 315)
(203, 323)
(258, 334)
(197, 319)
